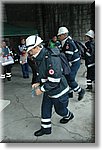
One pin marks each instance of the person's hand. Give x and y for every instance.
(38, 91)
(35, 85)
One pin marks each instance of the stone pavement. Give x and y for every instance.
(21, 118)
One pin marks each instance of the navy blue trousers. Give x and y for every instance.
(91, 73)
(71, 77)
(60, 105)
(25, 70)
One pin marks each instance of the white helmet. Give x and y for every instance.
(33, 41)
(62, 30)
(90, 33)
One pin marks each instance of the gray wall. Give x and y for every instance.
(47, 18)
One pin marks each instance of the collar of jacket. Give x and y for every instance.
(40, 55)
(63, 42)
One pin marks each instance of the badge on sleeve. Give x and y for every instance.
(67, 46)
(51, 72)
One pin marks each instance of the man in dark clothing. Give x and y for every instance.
(90, 58)
(51, 82)
(73, 57)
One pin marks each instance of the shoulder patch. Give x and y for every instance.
(51, 72)
(67, 46)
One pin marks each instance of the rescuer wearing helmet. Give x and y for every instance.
(90, 58)
(73, 56)
(51, 82)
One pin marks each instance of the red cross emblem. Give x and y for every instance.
(67, 46)
(51, 71)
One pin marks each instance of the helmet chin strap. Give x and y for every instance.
(35, 39)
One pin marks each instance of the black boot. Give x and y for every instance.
(42, 132)
(81, 94)
(89, 87)
(9, 78)
(67, 119)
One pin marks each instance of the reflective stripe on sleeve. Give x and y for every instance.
(88, 54)
(75, 60)
(42, 88)
(69, 52)
(91, 65)
(43, 80)
(54, 79)
(76, 50)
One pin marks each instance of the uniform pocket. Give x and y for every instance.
(64, 98)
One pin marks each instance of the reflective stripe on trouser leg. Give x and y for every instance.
(77, 89)
(2, 76)
(68, 115)
(46, 112)
(89, 82)
(8, 75)
(46, 123)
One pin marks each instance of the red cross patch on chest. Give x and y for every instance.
(51, 72)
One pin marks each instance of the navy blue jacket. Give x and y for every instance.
(49, 74)
(71, 51)
(90, 53)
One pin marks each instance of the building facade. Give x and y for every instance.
(48, 17)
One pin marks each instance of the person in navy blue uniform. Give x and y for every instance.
(51, 82)
(73, 57)
(90, 58)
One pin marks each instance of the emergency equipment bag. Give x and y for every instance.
(7, 60)
(64, 62)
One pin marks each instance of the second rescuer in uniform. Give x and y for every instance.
(51, 82)
(73, 56)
